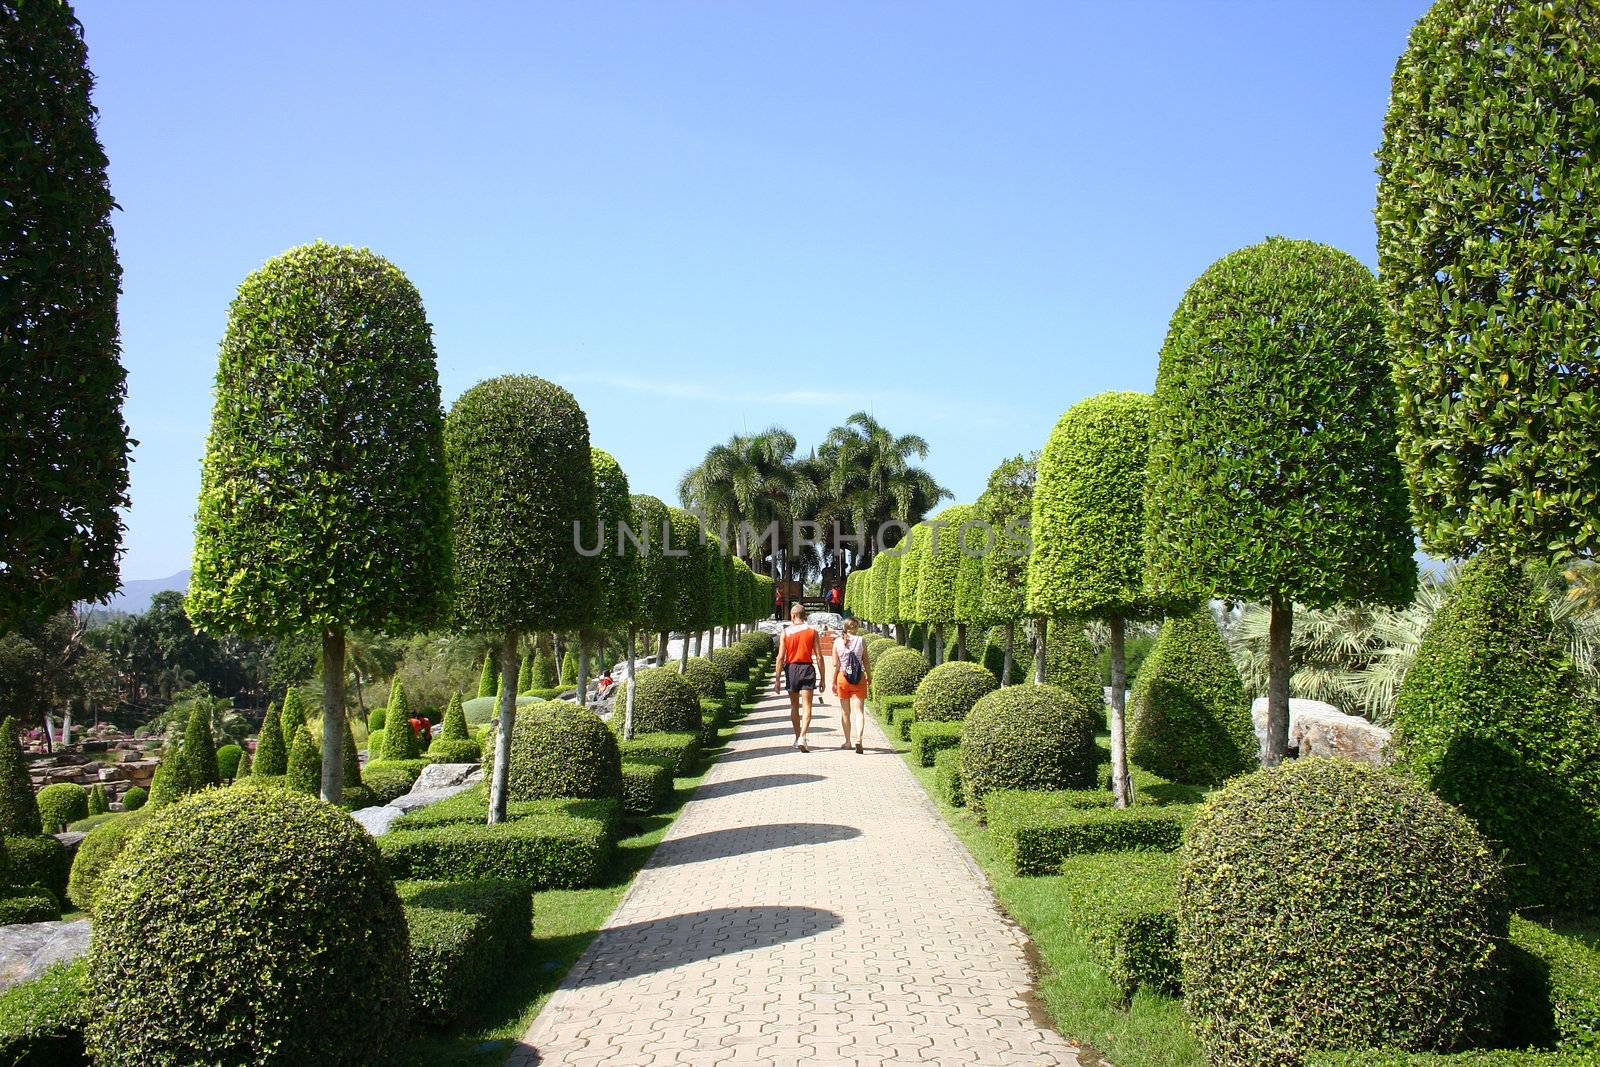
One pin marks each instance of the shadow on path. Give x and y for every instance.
(743, 840)
(734, 787)
(624, 952)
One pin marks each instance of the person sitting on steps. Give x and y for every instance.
(798, 667)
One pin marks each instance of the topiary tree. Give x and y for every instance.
(664, 702)
(135, 798)
(99, 803)
(1191, 716)
(690, 609)
(940, 565)
(292, 717)
(1490, 717)
(62, 803)
(64, 442)
(705, 678)
(617, 567)
(96, 852)
(898, 673)
(305, 763)
(454, 743)
(1487, 239)
(542, 675)
(654, 609)
(911, 578)
(326, 974)
(524, 676)
(948, 691)
(378, 716)
(569, 669)
(562, 750)
(486, 677)
(399, 741)
(351, 756)
(1272, 472)
(272, 755)
(1027, 737)
(1401, 881)
(325, 446)
(173, 780)
(1070, 665)
(19, 812)
(199, 747)
(521, 481)
(893, 562)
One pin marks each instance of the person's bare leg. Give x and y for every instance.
(805, 721)
(861, 720)
(844, 720)
(794, 713)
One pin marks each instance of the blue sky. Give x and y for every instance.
(706, 218)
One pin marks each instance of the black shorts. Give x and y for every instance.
(798, 676)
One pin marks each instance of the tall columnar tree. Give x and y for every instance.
(1272, 471)
(617, 565)
(200, 747)
(716, 586)
(1489, 255)
(687, 554)
(1088, 536)
(323, 493)
(893, 566)
(940, 565)
(911, 576)
(63, 444)
(1007, 506)
(746, 608)
(521, 480)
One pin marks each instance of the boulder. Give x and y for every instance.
(376, 821)
(26, 949)
(446, 775)
(1320, 729)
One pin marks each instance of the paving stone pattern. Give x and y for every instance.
(806, 908)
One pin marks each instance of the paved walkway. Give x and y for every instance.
(804, 909)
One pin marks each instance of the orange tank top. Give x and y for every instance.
(799, 644)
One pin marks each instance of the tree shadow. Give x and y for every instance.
(642, 948)
(738, 786)
(787, 731)
(755, 753)
(745, 840)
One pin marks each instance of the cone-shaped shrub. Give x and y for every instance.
(1191, 717)
(486, 677)
(561, 750)
(1489, 718)
(305, 764)
(172, 780)
(243, 768)
(1071, 665)
(569, 669)
(351, 757)
(399, 742)
(199, 747)
(455, 721)
(98, 803)
(525, 675)
(272, 755)
(544, 671)
(949, 691)
(62, 803)
(19, 812)
(1028, 737)
(454, 743)
(325, 978)
(898, 673)
(665, 702)
(292, 717)
(1400, 881)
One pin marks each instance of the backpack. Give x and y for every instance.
(850, 663)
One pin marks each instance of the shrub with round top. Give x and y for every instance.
(898, 673)
(135, 798)
(949, 691)
(1325, 904)
(665, 702)
(96, 852)
(733, 661)
(1191, 717)
(561, 750)
(877, 643)
(1028, 737)
(706, 679)
(326, 972)
(62, 803)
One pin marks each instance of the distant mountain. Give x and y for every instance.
(134, 597)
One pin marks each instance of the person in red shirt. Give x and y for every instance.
(798, 667)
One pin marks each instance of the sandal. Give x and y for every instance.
(859, 749)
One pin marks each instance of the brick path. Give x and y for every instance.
(804, 909)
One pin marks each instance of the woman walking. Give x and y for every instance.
(850, 681)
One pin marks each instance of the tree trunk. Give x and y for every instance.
(900, 633)
(627, 714)
(927, 645)
(938, 643)
(508, 719)
(1277, 743)
(583, 668)
(1121, 780)
(332, 714)
(1041, 630)
(1011, 638)
(961, 641)
(683, 655)
(697, 636)
(661, 650)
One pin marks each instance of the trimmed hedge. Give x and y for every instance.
(895, 708)
(464, 751)
(96, 851)
(1033, 831)
(949, 691)
(679, 752)
(1027, 737)
(1191, 717)
(463, 935)
(898, 673)
(562, 750)
(481, 710)
(1406, 899)
(60, 804)
(646, 787)
(323, 978)
(39, 861)
(41, 1021)
(29, 906)
(1554, 980)
(733, 661)
(549, 844)
(928, 739)
(947, 778)
(739, 693)
(1123, 905)
(388, 781)
(706, 679)
(1471, 1058)
(665, 702)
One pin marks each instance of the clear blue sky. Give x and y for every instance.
(709, 217)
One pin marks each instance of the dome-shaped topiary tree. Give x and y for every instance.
(521, 480)
(948, 691)
(61, 803)
(1027, 737)
(65, 444)
(1487, 252)
(617, 566)
(325, 446)
(664, 702)
(562, 750)
(325, 975)
(1191, 716)
(1272, 471)
(898, 673)
(19, 812)
(1490, 717)
(1406, 899)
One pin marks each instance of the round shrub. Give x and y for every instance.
(62, 803)
(561, 750)
(665, 702)
(1027, 737)
(733, 661)
(1191, 717)
(326, 972)
(40, 860)
(376, 719)
(228, 757)
(135, 798)
(706, 679)
(481, 710)
(1326, 904)
(949, 691)
(96, 851)
(388, 781)
(877, 643)
(759, 642)
(898, 673)
(375, 743)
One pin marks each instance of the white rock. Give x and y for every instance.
(445, 775)
(1320, 729)
(26, 949)
(376, 821)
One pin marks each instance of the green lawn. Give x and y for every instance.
(564, 922)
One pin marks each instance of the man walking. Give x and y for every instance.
(798, 667)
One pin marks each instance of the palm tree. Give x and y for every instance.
(870, 479)
(749, 483)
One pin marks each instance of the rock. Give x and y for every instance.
(1320, 729)
(421, 798)
(376, 821)
(71, 839)
(445, 775)
(26, 949)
